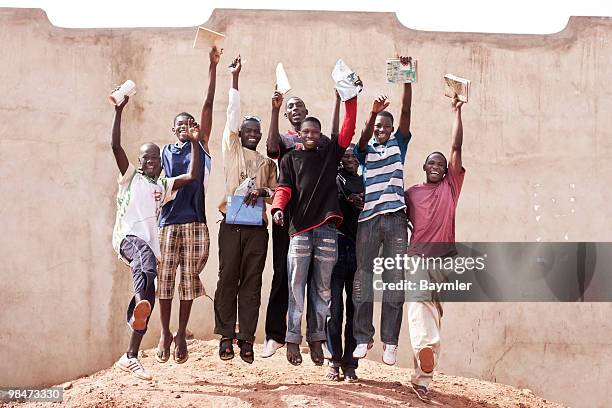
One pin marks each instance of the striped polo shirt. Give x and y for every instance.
(382, 166)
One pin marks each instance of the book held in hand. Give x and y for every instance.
(454, 85)
(238, 212)
(398, 73)
(206, 38)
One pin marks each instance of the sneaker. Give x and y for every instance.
(362, 350)
(390, 354)
(421, 392)
(132, 365)
(141, 313)
(426, 359)
(270, 347)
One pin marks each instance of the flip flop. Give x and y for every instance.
(246, 347)
(163, 355)
(174, 353)
(226, 348)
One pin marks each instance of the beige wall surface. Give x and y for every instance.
(536, 148)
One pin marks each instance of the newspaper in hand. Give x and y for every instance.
(345, 80)
(398, 73)
(457, 86)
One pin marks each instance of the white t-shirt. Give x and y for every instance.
(139, 203)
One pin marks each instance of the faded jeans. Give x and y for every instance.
(390, 231)
(318, 246)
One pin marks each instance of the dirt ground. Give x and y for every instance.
(206, 381)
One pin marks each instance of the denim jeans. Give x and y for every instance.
(342, 279)
(317, 246)
(390, 231)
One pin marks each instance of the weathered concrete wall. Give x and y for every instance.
(537, 133)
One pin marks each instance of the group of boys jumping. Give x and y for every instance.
(329, 224)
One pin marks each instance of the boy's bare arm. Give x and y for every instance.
(404, 123)
(335, 129)
(379, 105)
(120, 156)
(456, 162)
(193, 133)
(207, 108)
(273, 141)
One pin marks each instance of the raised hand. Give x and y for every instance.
(236, 65)
(119, 108)
(359, 82)
(405, 60)
(456, 104)
(277, 100)
(278, 218)
(380, 104)
(215, 55)
(193, 130)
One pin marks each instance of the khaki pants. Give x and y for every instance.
(424, 322)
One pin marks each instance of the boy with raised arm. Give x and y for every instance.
(136, 236)
(242, 248)
(184, 233)
(308, 182)
(431, 210)
(278, 145)
(381, 152)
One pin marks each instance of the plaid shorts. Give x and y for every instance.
(185, 246)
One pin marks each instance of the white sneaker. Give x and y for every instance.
(362, 350)
(132, 365)
(270, 347)
(390, 355)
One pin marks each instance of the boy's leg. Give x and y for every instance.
(366, 247)
(395, 243)
(144, 272)
(336, 310)
(324, 259)
(255, 249)
(229, 276)
(424, 319)
(348, 361)
(193, 254)
(298, 261)
(276, 313)
(169, 245)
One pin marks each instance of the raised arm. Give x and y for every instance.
(207, 108)
(273, 141)
(120, 156)
(335, 116)
(193, 132)
(404, 123)
(455, 156)
(379, 105)
(232, 125)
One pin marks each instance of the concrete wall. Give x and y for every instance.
(537, 133)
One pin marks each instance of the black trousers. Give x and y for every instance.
(276, 313)
(242, 257)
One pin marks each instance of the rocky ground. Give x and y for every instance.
(206, 381)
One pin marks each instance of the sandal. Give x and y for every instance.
(163, 355)
(246, 351)
(226, 348)
(178, 359)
